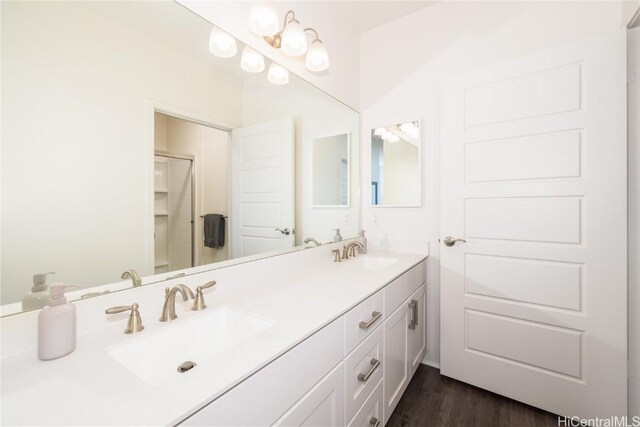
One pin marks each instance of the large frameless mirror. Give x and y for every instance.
(140, 143)
(395, 165)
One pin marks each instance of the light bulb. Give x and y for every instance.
(406, 127)
(222, 44)
(278, 75)
(294, 41)
(390, 138)
(263, 19)
(317, 57)
(380, 131)
(251, 61)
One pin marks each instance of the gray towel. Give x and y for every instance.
(214, 230)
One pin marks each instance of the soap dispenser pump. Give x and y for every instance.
(337, 237)
(57, 325)
(39, 294)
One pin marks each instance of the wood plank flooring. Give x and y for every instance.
(434, 400)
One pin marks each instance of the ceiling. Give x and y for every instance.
(364, 15)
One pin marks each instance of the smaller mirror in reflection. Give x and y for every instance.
(395, 165)
(331, 171)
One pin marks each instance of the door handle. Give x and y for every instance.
(286, 231)
(374, 422)
(450, 241)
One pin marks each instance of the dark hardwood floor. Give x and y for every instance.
(434, 400)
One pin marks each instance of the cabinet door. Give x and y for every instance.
(322, 406)
(396, 358)
(417, 336)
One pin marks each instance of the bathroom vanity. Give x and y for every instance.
(288, 340)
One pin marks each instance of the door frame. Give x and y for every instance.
(152, 107)
(192, 159)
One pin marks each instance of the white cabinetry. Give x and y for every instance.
(404, 348)
(322, 406)
(351, 372)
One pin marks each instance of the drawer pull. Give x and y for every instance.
(374, 318)
(413, 306)
(374, 365)
(374, 422)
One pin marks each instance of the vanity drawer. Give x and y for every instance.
(363, 371)
(396, 292)
(370, 415)
(266, 395)
(363, 319)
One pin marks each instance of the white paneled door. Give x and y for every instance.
(262, 188)
(534, 179)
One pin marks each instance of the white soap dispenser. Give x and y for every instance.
(39, 295)
(363, 241)
(337, 237)
(57, 325)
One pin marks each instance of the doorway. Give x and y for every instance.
(204, 148)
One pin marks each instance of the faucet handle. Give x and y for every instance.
(336, 255)
(135, 321)
(198, 303)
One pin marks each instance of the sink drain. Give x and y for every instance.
(186, 366)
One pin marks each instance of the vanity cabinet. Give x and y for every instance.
(322, 406)
(404, 347)
(351, 372)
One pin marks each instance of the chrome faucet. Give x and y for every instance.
(349, 250)
(169, 307)
(311, 240)
(134, 276)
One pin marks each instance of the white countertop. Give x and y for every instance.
(300, 293)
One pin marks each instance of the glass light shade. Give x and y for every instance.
(263, 19)
(317, 57)
(390, 138)
(222, 44)
(406, 127)
(251, 61)
(294, 41)
(278, 75)
(380, 131)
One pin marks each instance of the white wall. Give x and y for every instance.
(314, 117)
(341, 39)
(86, 115)
(633, 79)
(402, 65)
(630, 10)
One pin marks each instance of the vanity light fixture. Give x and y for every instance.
(292, 39)
(251, 61)
(222, 44)
(263, 19)
(278, 75)
(317, 58)
(391, 138)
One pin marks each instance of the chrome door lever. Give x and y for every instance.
(450, 241)
(286, 231)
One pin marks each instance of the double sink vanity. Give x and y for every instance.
(295, 339)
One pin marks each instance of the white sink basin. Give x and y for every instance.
(155, 358)
(373, 262)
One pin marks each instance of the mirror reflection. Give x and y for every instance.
(331, 171)
(136, 146)
(395, 165)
